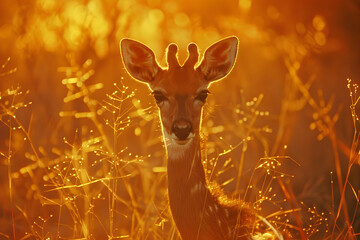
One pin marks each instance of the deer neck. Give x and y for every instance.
(188, 191)
(184, 165)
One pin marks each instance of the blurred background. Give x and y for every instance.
(80, 141)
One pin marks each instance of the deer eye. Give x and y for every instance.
(202, 96)
(159, 97)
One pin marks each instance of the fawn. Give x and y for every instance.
(180, 92)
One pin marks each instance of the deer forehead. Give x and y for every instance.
(180, 81)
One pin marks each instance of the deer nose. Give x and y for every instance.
(182, 128)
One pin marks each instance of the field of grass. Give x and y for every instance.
(81, 150)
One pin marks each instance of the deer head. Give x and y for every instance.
(180, 91)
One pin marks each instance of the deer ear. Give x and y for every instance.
(219, 59)
(139, 60)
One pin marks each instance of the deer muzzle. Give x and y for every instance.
(182, 129)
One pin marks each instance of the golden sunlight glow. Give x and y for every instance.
(181, 20)
(47, 5)
(245, 4)
(82, 152)
(272, 12)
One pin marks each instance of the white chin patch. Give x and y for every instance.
(175, 147)
(182, 142)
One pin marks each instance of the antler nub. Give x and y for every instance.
(172, 56)
(193, 55)
(173, 61)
